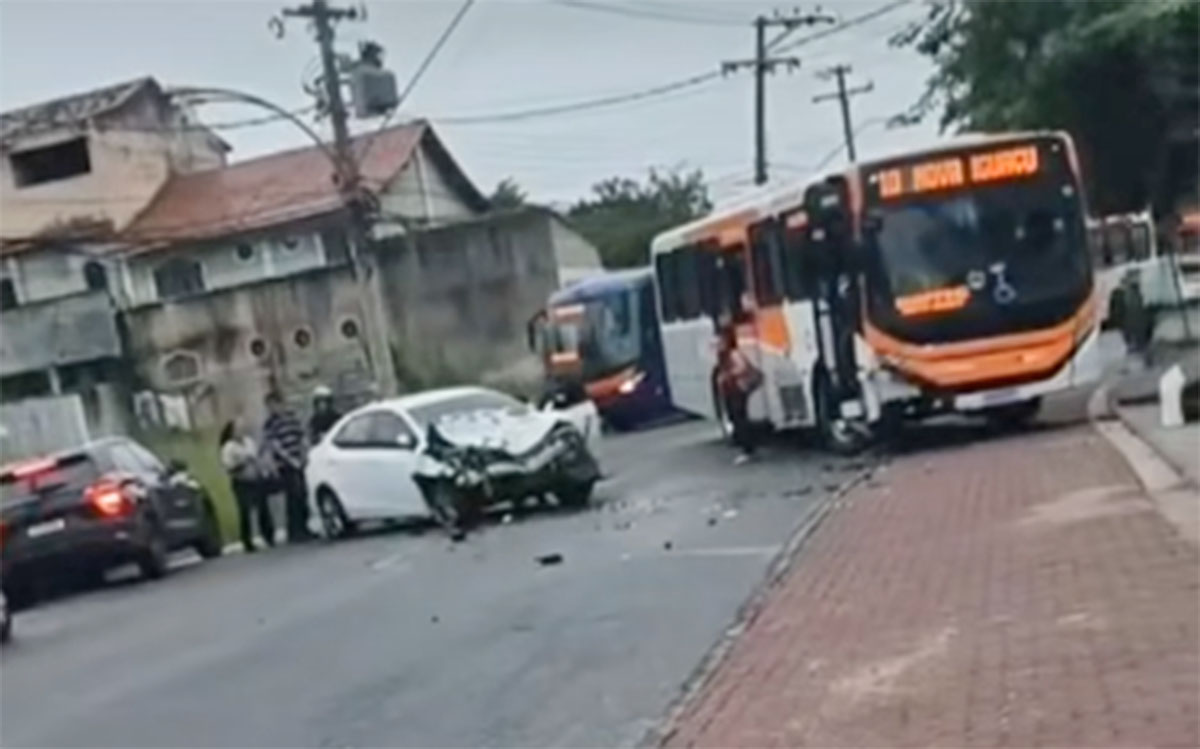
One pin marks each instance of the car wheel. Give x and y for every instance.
(334, 520)
(152, 560)
(576, 494)
(446, 504)
(209, 545)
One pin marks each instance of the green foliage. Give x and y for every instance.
(623, 215)
(1119, 75)
(508, 194)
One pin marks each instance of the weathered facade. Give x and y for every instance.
(232, 281)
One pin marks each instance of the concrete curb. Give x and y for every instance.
(1174, 496)
(748, 612)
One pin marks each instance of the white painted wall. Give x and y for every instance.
(422, 192)
(221, 266)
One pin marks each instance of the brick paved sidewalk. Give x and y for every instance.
(1018, 592)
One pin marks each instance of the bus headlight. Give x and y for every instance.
(631, 383)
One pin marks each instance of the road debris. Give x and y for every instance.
(547, 560)
(667, 545)
(506, 519)
(729, 514)
(712, 521)
(434, 619)
(802, 491)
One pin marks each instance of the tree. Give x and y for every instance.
(1119, 75)
(623, 215)
(508, 194)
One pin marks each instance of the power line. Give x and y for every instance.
(848, 23)
(586, 104)
(416, 77)
(646, 13)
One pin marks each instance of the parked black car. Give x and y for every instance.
(86, 510)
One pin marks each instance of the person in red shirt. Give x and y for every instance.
(737, 378)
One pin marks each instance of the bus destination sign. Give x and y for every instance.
(949, 172)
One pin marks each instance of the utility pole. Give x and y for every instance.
(762, 64)
(362, 259)
(843, 95)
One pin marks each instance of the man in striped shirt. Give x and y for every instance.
(283, 439)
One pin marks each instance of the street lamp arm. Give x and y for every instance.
(229, 93)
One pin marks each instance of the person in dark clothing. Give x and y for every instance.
(324, 415)
(737, 378)
(239, 457)
(283, 439)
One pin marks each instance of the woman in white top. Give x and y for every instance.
(239, 457)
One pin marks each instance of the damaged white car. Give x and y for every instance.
(451, 454)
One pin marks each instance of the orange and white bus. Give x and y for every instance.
(956, 279)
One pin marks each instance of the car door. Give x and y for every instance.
(139, 481)
(181, 503)
(345, 462)
(389, 459)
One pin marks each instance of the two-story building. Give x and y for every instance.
(214, 283)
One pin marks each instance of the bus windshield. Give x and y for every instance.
(979, 261)
(602, 331)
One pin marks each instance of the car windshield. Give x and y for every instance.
(605, 335)
(35, 477)
(461, 404)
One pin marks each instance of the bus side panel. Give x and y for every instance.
(795, 386)
(690, 358)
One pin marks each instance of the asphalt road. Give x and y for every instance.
(403, 638)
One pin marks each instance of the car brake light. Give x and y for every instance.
(107, 498)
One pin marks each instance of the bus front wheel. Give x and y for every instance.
(837, 434)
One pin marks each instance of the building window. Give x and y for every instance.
(94, 276)
(181, 367)
(8, 294)
(349, 328)
(50, 163)
(302, 338)
(337, 251)
(258, 348)
(178, 277)
(244, 252)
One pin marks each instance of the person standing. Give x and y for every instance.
(284, 443)
(239, 458)
(324, 415)
(737, 378)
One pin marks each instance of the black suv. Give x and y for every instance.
(85, 510)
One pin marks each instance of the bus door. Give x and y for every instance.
(737, 308)
(835, 289)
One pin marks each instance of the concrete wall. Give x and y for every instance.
(459, 299)
(217, 333)
(577, 257)
(131, 155)
(73, 329)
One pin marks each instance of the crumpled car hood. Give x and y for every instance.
(514, 432)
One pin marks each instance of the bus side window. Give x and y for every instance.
(706, 268)
(689, 282)
(664, 267)
(798, 264)
(767, 260)
(1139, 236)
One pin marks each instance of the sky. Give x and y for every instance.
(505, 55)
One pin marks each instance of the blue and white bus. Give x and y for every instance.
(603, 333)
